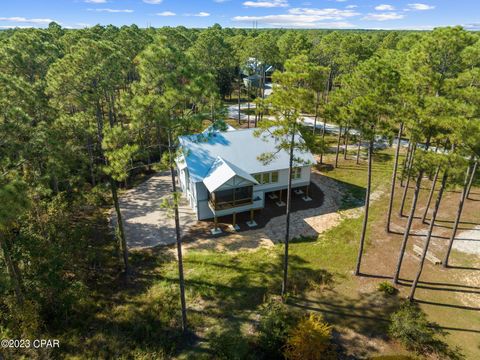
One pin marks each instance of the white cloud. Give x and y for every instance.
(166, 13)
(409, 27)
(202, 14)
(112, 10)
(384, 16)
(421, 7)
(96, 1)
(351, 6)
(21, 19)
(472, 26)
(305, 18)
(154, 2)
(266, 4)
(385, 7)
(14, 27)
(295, 21)
(324, 14)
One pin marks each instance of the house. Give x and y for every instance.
(220, 173)
(254, 72)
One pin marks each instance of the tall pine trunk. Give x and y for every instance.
(407, 185)
(367, 208)
(287, 225)
(472, 178)
(430, 196)
(346, 145)
(91, 161)
(248, 106)
(317, 102)
(406, 234)
(461, 203)
(429, 236)
(406, 163)
(239, 96)
(338, 146)
(323, 140)
(394, 178)
(121, 230)
(358, 150)
(113, 186)
(178, 236)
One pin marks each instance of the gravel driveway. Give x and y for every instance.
(146, 223)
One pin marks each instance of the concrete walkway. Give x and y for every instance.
(146, 223)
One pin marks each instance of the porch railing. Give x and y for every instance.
(223, 205)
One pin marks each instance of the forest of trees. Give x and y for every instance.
(84, 113)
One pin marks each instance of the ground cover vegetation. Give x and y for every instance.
(86, 114)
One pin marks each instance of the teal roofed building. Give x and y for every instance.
(220, 172)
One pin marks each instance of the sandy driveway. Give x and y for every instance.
(146, 223)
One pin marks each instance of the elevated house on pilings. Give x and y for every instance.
(255, 72)
(220, 172)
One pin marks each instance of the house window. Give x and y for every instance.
(267, 177)
(275, 177)
(296, 173)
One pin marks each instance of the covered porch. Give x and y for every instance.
(269, 209)
(230, 191)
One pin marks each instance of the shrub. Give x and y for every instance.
(386, 288)
(229, 345)
(310, 340)
(276, 321)
(410, 326)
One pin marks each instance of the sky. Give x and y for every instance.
(337, 14)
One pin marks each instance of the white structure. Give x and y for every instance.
(220, 173)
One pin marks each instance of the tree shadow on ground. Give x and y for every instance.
(237, 289)
(367, 314)
(357, 319)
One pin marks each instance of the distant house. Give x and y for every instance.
(220, 174)
(254, 71)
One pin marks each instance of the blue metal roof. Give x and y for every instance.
(240, 148)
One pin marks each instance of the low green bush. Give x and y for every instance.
(410, 326)
(276, 321)
(386, 288)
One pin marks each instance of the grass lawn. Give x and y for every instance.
(225, 289)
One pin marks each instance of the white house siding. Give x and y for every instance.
(182, 177)
(235, 182)
(283, 180)
(203, 210)
(197, 193)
